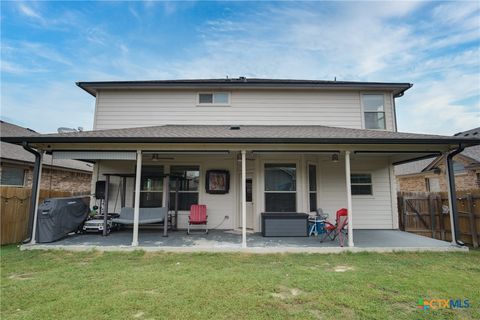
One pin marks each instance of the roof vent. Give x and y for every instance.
(235, 128)
(66, 130)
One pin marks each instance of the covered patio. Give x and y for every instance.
(273, 169)
(231, 241)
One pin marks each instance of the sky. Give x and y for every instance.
(47, 46)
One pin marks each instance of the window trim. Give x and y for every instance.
(362, 107)
(213, 104)
(363, 195)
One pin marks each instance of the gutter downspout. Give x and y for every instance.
(33, 196)
(452, 194)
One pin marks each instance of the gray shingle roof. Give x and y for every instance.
(17, 153)
(243, 134)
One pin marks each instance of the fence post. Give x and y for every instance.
(473, 222)
(431, 209)
(400, 212)
(441, 217)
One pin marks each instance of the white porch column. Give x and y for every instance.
(349, 198)
(244, 200)
(450, 204)
(136, 210)
(37, 198)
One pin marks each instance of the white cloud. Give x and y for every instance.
(14, 68)
(29, 11)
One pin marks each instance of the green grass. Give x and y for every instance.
(138, 285)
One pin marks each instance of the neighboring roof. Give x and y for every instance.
(415, 167)
(245, 83)
(242, 134)
(469, 133)
(17, 153)
(472, 152)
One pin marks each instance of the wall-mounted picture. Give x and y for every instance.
(217, 181)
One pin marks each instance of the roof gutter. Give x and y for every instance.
(160, 140)
(452, 194)
(35, 191)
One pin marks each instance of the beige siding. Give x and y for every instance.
(137, 108)
(369, 212)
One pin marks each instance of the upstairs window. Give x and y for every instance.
(374, 111)
(214, 98)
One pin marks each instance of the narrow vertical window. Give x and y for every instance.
(312, 187)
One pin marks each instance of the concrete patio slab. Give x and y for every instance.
(230, 241)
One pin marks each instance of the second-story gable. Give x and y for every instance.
(361, 105)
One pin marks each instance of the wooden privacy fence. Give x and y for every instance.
(428, 214)
(14, 208)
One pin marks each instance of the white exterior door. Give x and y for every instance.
(250, 202)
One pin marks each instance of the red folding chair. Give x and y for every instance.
(198, 216)
(338, 229)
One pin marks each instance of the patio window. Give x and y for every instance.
(280, 187)
(188, 179)
(11, 176)
(214, 98)
(361, 184)
(312, 187)
(374, 110)
(151, 190)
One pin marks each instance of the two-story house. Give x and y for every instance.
(286, 146)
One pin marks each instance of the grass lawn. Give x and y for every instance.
(139, 285)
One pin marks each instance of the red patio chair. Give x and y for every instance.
(198, 216)
(337, 229)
